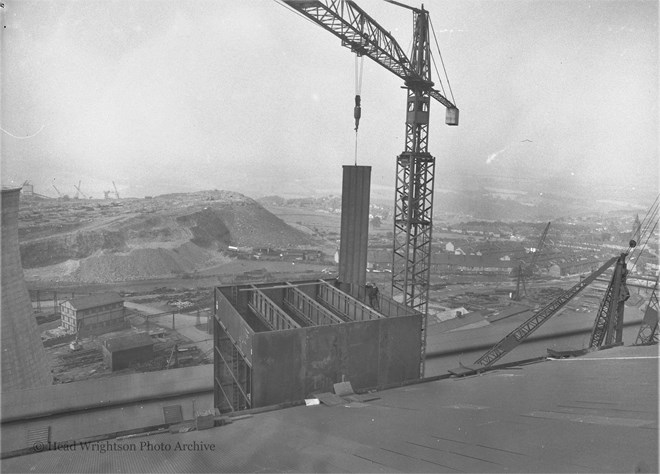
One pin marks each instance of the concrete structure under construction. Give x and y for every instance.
(24, 363)
(283, 342)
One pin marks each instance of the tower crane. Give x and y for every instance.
(415, 170)
(528, 270)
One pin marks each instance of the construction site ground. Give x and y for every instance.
(194, 344)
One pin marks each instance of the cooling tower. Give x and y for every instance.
(24, 363)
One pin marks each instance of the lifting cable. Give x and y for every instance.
(443, 64)
(643, 232)
(357, 111)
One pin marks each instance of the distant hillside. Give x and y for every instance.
(114, 240)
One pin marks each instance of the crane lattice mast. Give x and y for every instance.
(648, 330)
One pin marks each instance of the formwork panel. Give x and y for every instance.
(277, 367)
(354, 224)
(400, 349)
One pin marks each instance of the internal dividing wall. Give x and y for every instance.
(284, 342)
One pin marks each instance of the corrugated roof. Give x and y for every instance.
(128, 342)
(92, 301)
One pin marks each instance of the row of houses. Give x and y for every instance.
(448, 263)
(273, 254)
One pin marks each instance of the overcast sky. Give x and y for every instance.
(168, 96)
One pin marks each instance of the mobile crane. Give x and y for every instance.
(415, 169)
(608, 326)
(527, 270)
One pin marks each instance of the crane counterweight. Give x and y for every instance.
(451, 116)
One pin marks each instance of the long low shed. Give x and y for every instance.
(120, 352)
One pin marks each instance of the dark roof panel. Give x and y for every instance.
(128, 342)
(92, 301)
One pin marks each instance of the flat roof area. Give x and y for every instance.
(131, 341)
(595, 413)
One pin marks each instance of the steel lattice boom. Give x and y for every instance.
(363, 35)
(518, 335)
(608, 325)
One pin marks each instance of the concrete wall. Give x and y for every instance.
(294, 364)
(24, 362)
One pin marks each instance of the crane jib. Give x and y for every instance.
(360, 33)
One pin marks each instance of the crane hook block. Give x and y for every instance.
(357, 112)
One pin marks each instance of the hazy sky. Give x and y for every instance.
(167, 96)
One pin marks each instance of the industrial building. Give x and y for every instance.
(94, 314)
(283, 342)
(120, 352)
(24, 363)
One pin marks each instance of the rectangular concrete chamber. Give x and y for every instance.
(284, 342)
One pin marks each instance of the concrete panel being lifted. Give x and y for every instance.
(354, 236)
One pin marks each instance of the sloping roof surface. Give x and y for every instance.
(572, 415)
(93, 301)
